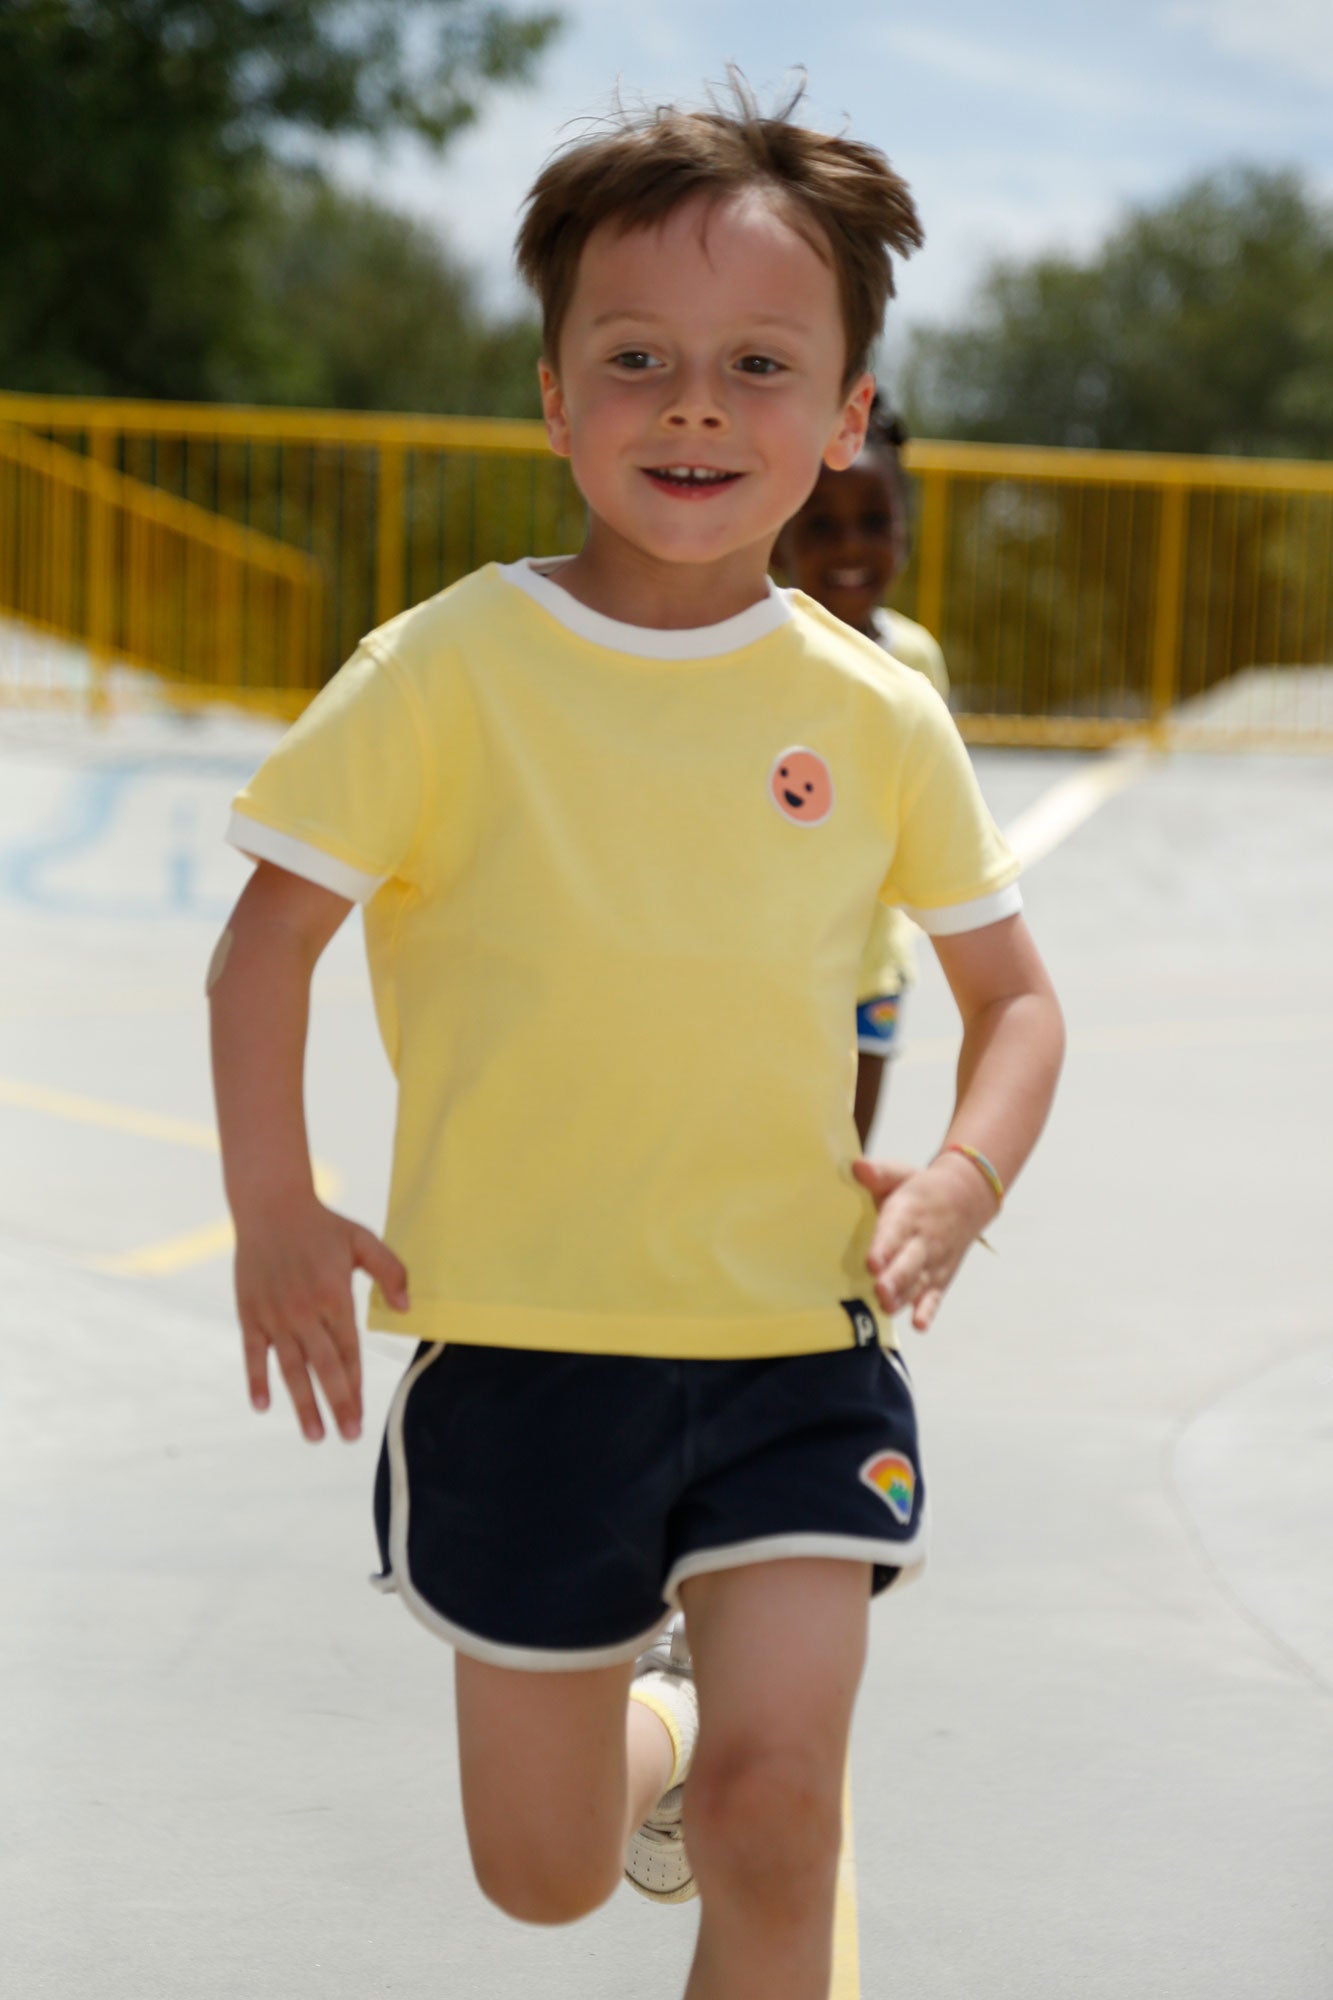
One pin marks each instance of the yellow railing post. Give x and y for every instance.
(1169, 597)
(931, 546)
(389, 539)
(99, 603)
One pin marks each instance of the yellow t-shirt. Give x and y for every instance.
(888, 963)
(616, 885)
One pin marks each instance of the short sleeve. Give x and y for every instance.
(341, 800)
(951, 871)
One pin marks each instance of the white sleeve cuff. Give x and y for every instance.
(298, 857)
(974, 916)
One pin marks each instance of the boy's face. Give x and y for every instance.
(849, 541)
(699, 384)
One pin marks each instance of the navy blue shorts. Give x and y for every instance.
(542, 1510)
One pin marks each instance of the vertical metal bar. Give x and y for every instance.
(1169, 595)
(931, 550)
(389, 532)
(100, 584)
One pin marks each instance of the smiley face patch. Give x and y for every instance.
(801, 786)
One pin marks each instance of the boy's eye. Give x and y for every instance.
(759, 364)
(635, 358)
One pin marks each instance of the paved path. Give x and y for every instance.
(1094, 1755)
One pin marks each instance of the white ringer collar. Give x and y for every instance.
(698, 642)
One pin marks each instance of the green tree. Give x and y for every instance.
(1204, 325)
(135, 152)
(362, 308)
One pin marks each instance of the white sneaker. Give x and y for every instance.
(670, 1650)
(656, 1863)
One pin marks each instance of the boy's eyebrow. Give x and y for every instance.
(642, 313)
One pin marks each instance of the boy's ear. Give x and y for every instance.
(850, 434)
(554, 410)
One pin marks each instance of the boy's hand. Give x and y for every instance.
(294, 1269)
(927, 1218)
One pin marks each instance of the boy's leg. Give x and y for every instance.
(556, 1769)
(778, 1654)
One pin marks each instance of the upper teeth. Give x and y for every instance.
(691, 472)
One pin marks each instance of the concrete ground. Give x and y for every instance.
(1094, 1754)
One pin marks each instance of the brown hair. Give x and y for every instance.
(842, 196)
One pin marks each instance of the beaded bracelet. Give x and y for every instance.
(983, 1166)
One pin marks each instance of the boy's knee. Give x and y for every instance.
(768, 1823)
(542, 1888)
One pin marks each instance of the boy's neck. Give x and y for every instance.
(635, 588)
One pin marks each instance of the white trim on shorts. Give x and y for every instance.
(907, 1557)
(534, 1659)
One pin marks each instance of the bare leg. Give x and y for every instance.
(778, 1652)
(554, 1775)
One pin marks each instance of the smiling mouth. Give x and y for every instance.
(690, 480)
(848, 579)
(794, 799)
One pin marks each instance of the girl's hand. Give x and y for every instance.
(294, 1267)
(928, 1217)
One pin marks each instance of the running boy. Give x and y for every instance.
(618, 823)
(846, 548)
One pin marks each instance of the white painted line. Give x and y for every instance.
(1058, 812)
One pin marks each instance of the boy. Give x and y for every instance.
(618, 825)
(846, 548)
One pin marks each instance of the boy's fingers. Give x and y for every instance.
(336, 1355)
(388, 1271)
(887, 1244)
(255, 1347)
(299, 1388)
(926, 1308)
(339, 1381)
(881, 1178)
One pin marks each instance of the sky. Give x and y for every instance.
(1021, 129)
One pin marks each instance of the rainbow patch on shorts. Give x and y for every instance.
(877, 1022)
(893, 1477)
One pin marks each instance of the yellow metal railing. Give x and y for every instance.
(1080, 597)
(1087, 597)
(130, 574)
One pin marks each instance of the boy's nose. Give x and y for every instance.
(685, 417)
(696, 403)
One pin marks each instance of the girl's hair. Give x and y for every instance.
(885, 429)
(842, 196)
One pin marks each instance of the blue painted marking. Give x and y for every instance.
(94, 799)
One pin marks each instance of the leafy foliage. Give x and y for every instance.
(135, 155)
(1205, 325)
(360, 308)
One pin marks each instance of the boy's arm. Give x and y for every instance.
(1013, 1043)
(294, 1257)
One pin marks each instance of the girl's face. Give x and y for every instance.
(849, 541)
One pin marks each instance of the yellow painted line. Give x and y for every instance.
(173, 1253)
(846, 1981)
(197, 1246)
(1058, 812)
(127, 1118)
